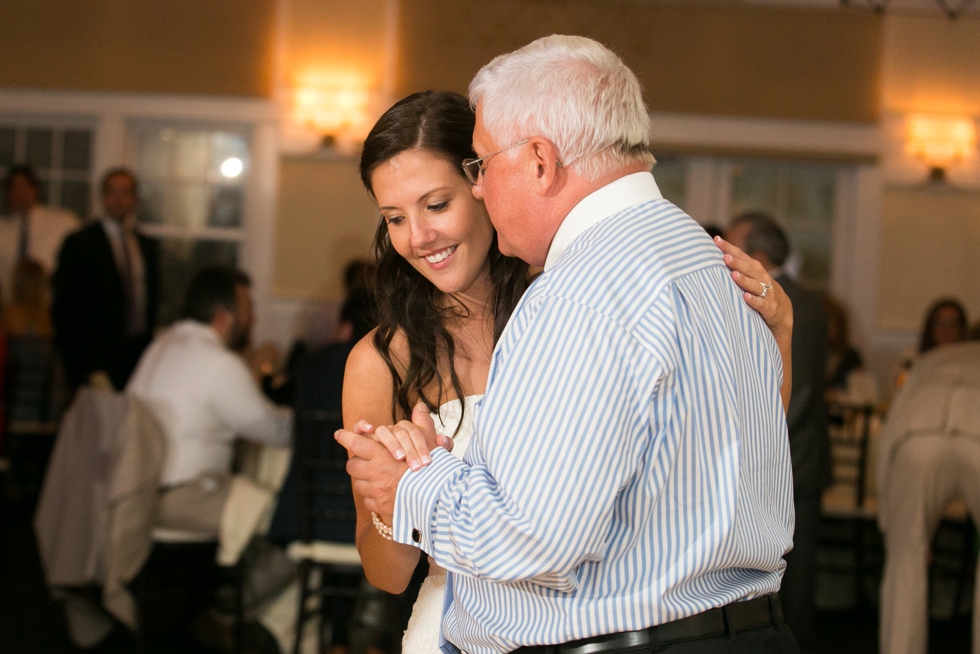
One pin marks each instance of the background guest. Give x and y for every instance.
(28, 313)
(842, 358)
(31, 230)
(319, 385)
(105, 289)
(945, 323)
(762, 238)
(202, 392)
(928, 453)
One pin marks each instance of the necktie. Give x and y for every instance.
(23, 248)
(129, 285)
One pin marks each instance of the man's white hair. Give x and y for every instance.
(573, 91)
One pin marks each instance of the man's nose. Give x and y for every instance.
(477, 190)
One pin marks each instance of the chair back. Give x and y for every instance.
(851, 428)
(326, 499)
(31, 365)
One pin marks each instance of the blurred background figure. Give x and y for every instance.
(761, 237)
(358, 274)
(842, 357)
(28, 313)
(945, 323)
(319, 382)
(713, 230)
(105, 289)
(204, 396)
(928, 454)
(974, 333)
(30, 230)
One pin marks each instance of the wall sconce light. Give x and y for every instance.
(335, 106)
(940, 142)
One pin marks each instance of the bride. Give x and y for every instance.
(444, 294)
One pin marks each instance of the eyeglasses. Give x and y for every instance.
(474, 167)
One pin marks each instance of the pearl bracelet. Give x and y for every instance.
(382, 528)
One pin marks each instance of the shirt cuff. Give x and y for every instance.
(416, 497)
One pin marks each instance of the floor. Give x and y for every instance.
(30, 622)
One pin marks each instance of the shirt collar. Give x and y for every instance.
(201, 330)
(612, 198)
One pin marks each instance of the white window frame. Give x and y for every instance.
(109, 114)
(857, 215)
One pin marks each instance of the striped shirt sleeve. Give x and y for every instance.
(578, 390)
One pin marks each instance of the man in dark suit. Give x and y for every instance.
(762, 238)
(105, 289)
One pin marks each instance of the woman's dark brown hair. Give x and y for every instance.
(440, 124)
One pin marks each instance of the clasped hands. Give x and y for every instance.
(379, 456)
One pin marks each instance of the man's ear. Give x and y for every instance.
(548, 175)
(223, 321)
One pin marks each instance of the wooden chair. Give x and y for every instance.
(848, 510)
(327, 522)
(191, 551)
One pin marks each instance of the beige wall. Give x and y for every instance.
(692, 58)
(215, 47)
(931, 65)
(930, 245)
(334, 35)
(325, 218)
(930, 235)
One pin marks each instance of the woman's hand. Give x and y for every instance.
(775, 308)
(765, 295)
(411, 441)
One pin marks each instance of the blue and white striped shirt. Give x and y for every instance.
(630, 464)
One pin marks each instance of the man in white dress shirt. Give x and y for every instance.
(31, 230)
(202, 392)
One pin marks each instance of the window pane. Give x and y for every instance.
(229, 158)
(153, 158)
(191, 155)
(189, 207)
(671, 176)
(74, 196)
(755, 188)
(77, 150)
(226, 207)
(811, 194)
(179, 260)
(39, 148)
(151, 208)
(6, 146)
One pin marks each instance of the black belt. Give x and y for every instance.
(723, 621)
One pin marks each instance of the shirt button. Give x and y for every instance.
(416, 536)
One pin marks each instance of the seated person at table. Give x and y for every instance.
(204, 396)
(319, 386)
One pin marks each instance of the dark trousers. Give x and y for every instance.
(800, 580)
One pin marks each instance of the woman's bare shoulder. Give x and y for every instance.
(368, 380)
(365, 359)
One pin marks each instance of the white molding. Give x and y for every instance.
(800, 137)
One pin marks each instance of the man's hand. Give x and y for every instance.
(374, 471)
(410, 441)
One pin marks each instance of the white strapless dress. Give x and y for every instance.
(425, 625)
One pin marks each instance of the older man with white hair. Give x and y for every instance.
(628, 484)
